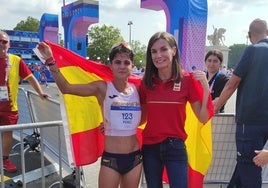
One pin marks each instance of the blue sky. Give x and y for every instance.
(233, 15)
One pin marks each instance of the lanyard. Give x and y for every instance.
(7, 68)
(213, 81)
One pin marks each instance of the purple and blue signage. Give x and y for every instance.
(76, 18)
(187, 21)
(48, 28)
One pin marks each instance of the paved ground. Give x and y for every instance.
(32, 168)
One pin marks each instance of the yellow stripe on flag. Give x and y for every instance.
(79, 108)
(198, 142)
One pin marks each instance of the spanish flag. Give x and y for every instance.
(83, 116)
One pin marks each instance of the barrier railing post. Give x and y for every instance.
(78, 177)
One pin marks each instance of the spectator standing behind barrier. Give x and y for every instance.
(223, 69)
(164, 92)
(12, 68)
(121, 161)
(216, 80)
(251, 80)
(42, 75)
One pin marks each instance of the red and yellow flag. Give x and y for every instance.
(199, 148)
(83, 116)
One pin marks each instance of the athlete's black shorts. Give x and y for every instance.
(122, 163)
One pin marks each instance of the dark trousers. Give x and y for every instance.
(170, 153)
(248, 139)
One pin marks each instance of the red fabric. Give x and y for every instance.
(24, 70)
(82, 155)
(166, 108)
(200, 94)
(65, 57)
(195, 179)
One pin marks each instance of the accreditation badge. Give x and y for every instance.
(177, 87)
(3, 93)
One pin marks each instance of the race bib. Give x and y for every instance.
(125, 117)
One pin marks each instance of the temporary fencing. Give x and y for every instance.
(39, 130)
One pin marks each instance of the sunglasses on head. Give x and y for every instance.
(124, 44)
(3, 41)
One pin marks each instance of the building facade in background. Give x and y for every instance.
(21, 44)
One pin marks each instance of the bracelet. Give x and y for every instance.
(50, 63)
(50, 59)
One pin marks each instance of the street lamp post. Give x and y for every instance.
(140, 63)
(130, 23)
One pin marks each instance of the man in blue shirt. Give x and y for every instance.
(251, 81)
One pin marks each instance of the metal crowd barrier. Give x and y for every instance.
(224, 151)
(44, 118)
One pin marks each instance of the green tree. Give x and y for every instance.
(139, 51)
(31, 24)
(100, 41)
(235, 54)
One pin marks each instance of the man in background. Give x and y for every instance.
(12, 68)
(251, 81)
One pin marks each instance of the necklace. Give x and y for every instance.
(127, 90)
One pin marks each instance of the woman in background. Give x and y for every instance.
(216, 80)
